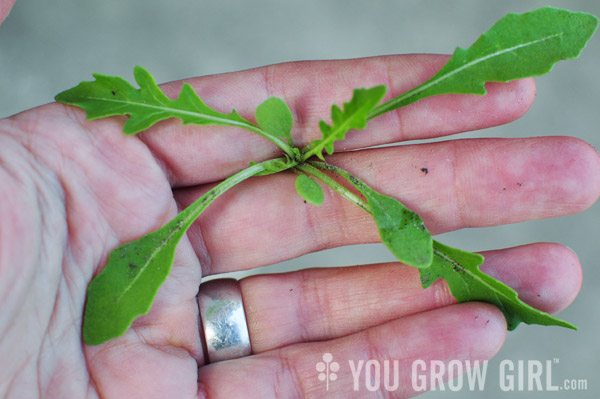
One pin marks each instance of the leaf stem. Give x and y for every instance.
(189, 214)
(400, 101)
(275, 140)
(309, 150)
(314, 168)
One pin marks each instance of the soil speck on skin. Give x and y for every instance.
(503, 188)
(425, 170)
(520, 184)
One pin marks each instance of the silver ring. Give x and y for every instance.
(223, 320)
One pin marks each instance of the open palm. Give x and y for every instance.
(72, 190)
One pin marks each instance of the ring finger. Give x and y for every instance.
(376, 312)
(323, 304)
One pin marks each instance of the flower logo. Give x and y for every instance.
(327, 369)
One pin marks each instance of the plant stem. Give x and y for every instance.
(309, 150)
(314, 169)
(278, 142)
(400, 101)
(189, 214)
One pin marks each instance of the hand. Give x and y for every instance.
(5, 6)
(73, 190)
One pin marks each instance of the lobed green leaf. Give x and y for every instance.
(126, 287)
(461, 271)
(401, 230)
(517, 46)
(352, 116)
(110, 95)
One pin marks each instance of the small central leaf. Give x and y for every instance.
(275, 117)
(309, 189)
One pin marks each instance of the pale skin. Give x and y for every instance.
(72, 190)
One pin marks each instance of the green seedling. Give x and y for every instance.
(517, 46)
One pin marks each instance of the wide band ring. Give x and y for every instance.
(223, 320)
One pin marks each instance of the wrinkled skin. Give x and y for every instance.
(73, 190)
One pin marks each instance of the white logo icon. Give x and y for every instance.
(327, 369)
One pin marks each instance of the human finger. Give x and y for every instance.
(5, 6)
(465, 332)
(158, 356)
(452, 185)
(323, 304)
(200, 154)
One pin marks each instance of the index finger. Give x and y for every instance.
(202, 154)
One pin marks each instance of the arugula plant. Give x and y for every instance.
(517, 46)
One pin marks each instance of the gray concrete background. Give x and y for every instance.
(48, 46)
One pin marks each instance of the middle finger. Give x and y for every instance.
(452, 185)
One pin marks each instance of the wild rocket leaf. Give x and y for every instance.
(461, 271)
(111, 95)
(128, 284)
(309, 189)
(275, 117)
(126, 287)
(352, 116)
(517, 46)
(400, 229)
